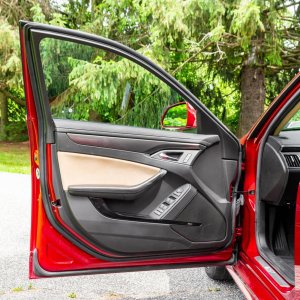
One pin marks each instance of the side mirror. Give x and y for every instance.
(180, 116)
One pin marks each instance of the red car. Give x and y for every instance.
(113, 192)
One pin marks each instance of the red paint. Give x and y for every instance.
(296, 292)
(249, 270)
(191, 116)
(32, 126)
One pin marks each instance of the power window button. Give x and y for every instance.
(163, 207)
(170, 201)
(187, 158)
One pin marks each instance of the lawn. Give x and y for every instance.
(14, 157)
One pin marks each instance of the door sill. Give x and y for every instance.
(39, 271)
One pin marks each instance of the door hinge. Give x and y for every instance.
(238, 231)
(239, 202)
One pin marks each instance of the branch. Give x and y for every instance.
(267, 10)
(57, 100)
(190, 58)
(284, 67)
(287, 5)
(13, 97)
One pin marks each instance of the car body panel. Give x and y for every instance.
(296, 290)
(251, 272)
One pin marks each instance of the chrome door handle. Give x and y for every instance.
(164, 155)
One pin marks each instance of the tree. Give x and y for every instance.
(10, 72)
(234, 55)
(12, 100)
(244, 42)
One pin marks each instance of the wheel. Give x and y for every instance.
(218, 273)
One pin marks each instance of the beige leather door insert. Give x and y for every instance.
(80, 169)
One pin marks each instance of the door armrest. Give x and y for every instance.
(115, 192)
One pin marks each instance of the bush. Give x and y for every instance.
(16, 132)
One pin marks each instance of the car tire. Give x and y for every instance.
(218, 273)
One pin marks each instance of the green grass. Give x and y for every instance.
(18, 289)
(14, 158)
(72, 295)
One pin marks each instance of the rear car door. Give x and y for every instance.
(112, 190)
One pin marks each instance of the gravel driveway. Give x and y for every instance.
(14, 249)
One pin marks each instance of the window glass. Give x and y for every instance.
(89, 84)
(294, 122)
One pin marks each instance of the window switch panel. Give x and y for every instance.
(171, 201)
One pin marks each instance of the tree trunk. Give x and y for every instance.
(253, 94)
(3, 115)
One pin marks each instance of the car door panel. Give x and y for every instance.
(118, 196)
(132, 228)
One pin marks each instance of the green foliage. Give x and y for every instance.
(246, 21)
(16, 131)
(10, 63)
(16, 112)
(37, 14)
(10, 81)
(293, 123)
(92, 85)
(72, 295)
(296, 117)
(30, 286)
(18, 289)
(176, 116)
(203, 43)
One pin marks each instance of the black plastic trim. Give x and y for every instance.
(140, 218)
(91, 133)
(261, 241)
(134, 144)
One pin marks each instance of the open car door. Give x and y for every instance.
(111, 190)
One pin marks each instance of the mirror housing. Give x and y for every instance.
(180, 116)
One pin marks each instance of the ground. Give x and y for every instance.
(14, 283)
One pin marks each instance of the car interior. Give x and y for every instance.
(278, 187)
